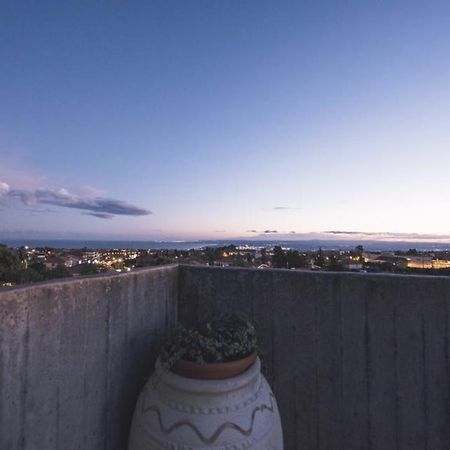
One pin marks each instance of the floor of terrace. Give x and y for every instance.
(356, 361)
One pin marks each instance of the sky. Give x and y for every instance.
(224, 118)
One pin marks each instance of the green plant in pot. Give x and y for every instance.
(220, 348)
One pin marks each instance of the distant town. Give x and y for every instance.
(27, 265)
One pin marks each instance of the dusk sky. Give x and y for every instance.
(221, 119)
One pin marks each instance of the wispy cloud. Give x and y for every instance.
(352, 236)
(100, 215)
(4, 189)
(352, 233)
(101, 207)
(387, 235)
(284, 208)
(263, 232)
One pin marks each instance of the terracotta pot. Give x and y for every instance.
(213, 371)
(180, 413)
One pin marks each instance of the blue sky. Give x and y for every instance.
(213, 119)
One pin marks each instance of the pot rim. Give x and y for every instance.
(213, 371)
(212, 386)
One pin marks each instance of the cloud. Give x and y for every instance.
(284, 208)
(387, 235)
(100, 215)
(103, 208)
(349, 232)
(90, 191)
(263, 232)
(4, 189)
(352, 236)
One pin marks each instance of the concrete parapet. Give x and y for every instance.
(356, 361)
(75, 354)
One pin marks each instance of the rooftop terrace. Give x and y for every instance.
(356, 361)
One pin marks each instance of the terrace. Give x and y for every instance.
(356, 361)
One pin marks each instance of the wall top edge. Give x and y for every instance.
(171, 267)
(88, 278)
(322, 273)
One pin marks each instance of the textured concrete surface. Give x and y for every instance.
(75, 354)
(357, 361)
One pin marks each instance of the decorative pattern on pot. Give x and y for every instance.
(180, 413)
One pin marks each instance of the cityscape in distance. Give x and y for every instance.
(33, 261)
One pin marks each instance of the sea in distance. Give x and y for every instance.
(305, 245)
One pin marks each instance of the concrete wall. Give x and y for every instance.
(357, 361)
(75, 354)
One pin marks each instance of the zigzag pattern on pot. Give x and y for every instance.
(209, 411)
(216, 434)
